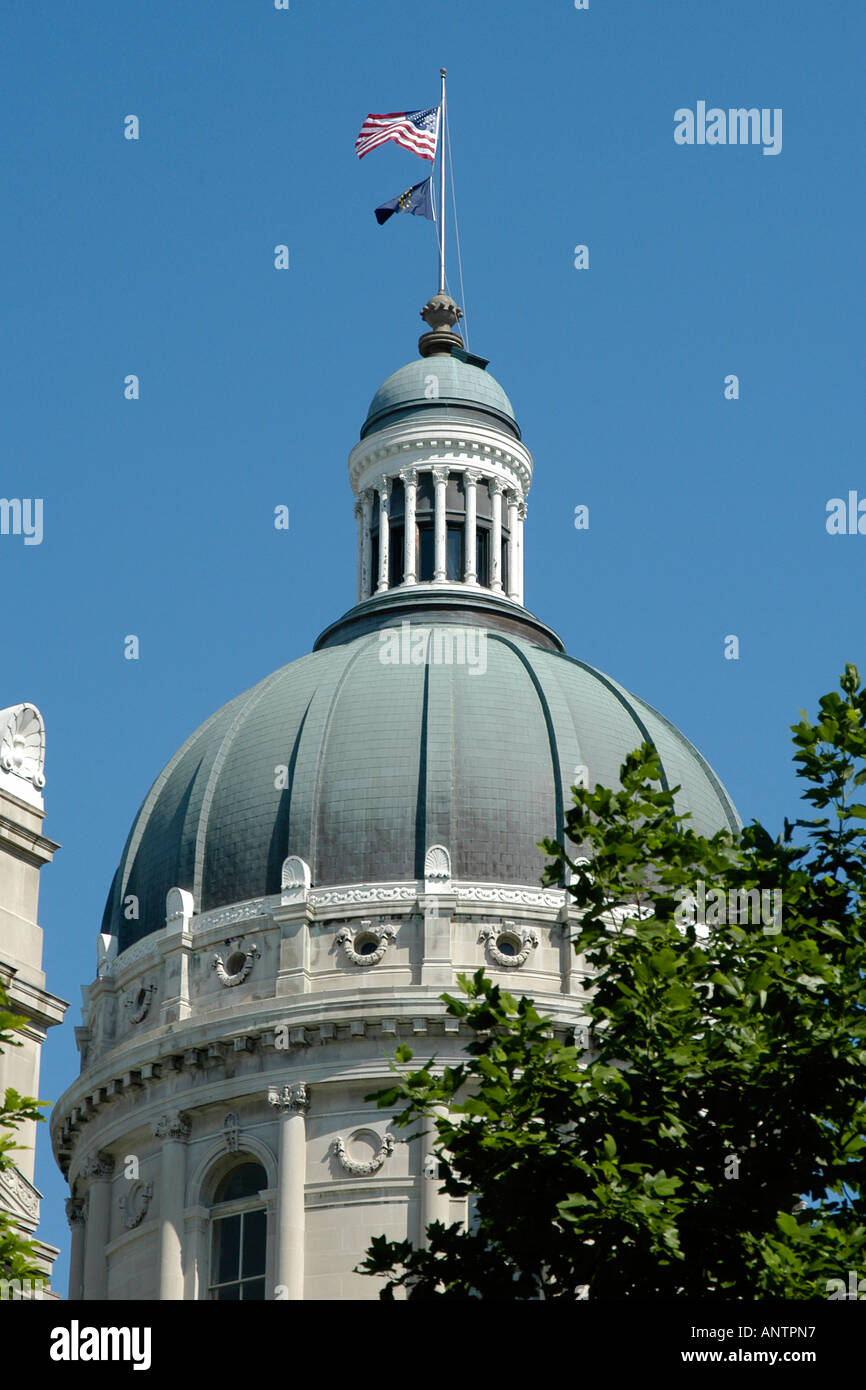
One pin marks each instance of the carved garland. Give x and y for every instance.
(363, 1169)
(522, 939)
(238, 976)
(350, 938)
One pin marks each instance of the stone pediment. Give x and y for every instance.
(20, 1198)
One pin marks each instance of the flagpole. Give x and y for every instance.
(442, 185)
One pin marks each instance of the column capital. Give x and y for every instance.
(97, 1165)
(76, 1213)
(472, 476)
(409, 476)
(383, 487)
(496, 486)
(365, 496)
(294, 1097)
(358, 508)
(175, 1125)
(441, 472)
(521, 509)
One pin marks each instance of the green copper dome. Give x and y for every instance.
(430, 384)
(384, 759)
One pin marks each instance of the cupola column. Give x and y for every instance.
(173, 1130)
(410, 492)
(496, 490)
(366, 544)
(99, 1169)
(521, 517)
(75, 1215)
(470, 484)
(384, 488)
(440, 479)
(292, 1102)
(359, 581)
(513, 582)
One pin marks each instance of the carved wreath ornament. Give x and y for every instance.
(135, 1204)
(372, 1165)
(365, 944)
(509, 946)
(236, 969)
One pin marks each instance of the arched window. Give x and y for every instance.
(239, 1235)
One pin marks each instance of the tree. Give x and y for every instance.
(17, 1254)
(708, 1140)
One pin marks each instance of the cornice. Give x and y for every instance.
(458, 445)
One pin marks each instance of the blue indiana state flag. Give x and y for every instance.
(418, 200)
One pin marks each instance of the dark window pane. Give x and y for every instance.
(253, 1260)
(506, 561)
(482, 551)
(227, 1245)
(397, 502)
(426, 553)
(254, 1291)
(454, 553)
(395, 556)
(230, 1294)
(424, 493)
(247, 1180)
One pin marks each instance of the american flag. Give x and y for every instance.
(414, 130)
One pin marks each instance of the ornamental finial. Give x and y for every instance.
(441, 313)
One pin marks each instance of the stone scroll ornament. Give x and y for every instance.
(366, 944)
(245, 960)
(139, 1004)
(366, 1168)
(522, 940)
(135, 1204)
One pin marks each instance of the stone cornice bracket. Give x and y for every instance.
(175, 1125)
(135, 1203)
(98, 1165)
(76, 1213)
(294, 1097)
(371, 1165)
(521, 940)
(354, 940)
(22, 752)
(242, 967)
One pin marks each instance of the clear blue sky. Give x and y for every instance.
(707, 516)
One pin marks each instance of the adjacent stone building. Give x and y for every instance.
(315, 865)
(23, 851)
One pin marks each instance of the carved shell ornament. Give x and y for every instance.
(365, 1168)
(365, 945)
(22, 743)
(236, 969)
(509, 946)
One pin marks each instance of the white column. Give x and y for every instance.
(512, 555)
(359, 517)
(434, 1205)
(173, 1130)
(470, 483)
(496, 490)
(410, 493)
(384, 487)
(366, 544)
(440, 531)
(99, 1168)
(75, 1215)
(521, 517)
(292, 1102)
